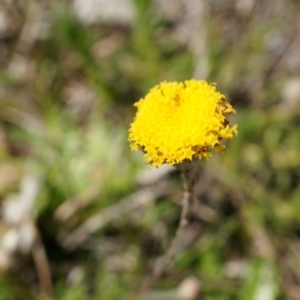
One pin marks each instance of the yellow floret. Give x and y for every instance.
(180, 121)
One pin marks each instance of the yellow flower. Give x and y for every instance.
(179, 121)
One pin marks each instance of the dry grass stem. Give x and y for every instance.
(140, 198)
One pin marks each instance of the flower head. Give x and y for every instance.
(179, 121)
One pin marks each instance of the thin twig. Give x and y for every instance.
(42, 266)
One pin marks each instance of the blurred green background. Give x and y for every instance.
(82, 217)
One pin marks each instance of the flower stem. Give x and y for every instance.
(162, 264)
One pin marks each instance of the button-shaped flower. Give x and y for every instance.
(179, 121)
